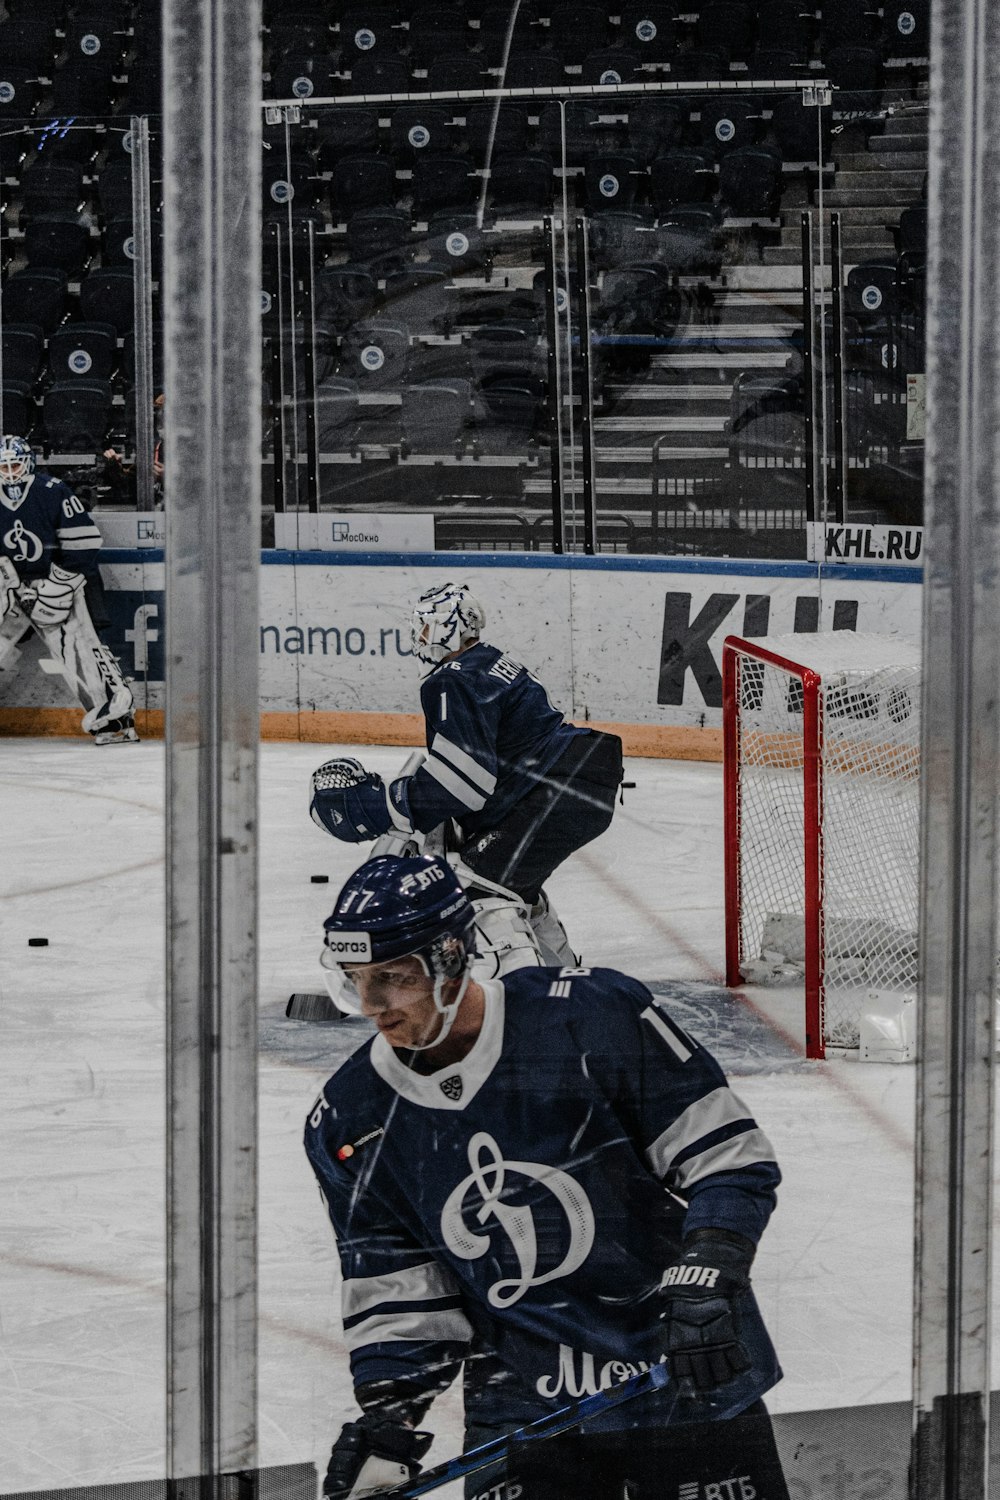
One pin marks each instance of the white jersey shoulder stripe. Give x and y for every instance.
(423, 1283)
(670, 1035)
(453, 783)
(746, 1150)
(463, 762)
(412, 1327)
(711, 1112)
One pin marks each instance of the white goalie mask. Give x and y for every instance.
(444, 619)
(17, 460)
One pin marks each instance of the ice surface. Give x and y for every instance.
(82, 1109)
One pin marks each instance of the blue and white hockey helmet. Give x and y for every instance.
(392, 907)
(443, 620)
(17, 459)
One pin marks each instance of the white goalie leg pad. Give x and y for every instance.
(550, 935)
(89, 668)
(12, 627)
(504, 938)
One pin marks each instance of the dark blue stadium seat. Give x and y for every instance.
(699, 65)
(726, 124)
(345, 293)
(610, 65)
(19, 91)
(802, 134)
(57, 240)
(114, 188)
(300, 75)
(346, 132)
(336, 414)
(534, 70)
(107, 295)
(788, 23)
(367, 31)
(82, 87)
(455, 71)
(52, 187)
(417, 295)
(373, 352)
(372, 73)
(655, 125)
(575, 30)
(37, 295)
(378, 235)
(750, 182)
(727, 25)
(17, 409)
(913, 229)
(83, 351)
(435, 416)
(522, 183)
(906, 28)
(682, 175)
(416, 129)
(852, 23)
(441, 182)
(457, 241)
(613, 181)
(28, 42)
(361, 182)
(96, 37)
(509, 133)
(871, 290)
(23, 351)
(649, 29)
(77, 415)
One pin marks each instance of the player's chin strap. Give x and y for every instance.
(446, 1012)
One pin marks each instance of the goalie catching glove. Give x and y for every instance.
(354, 804)
(702, 1291)
(52, 604)
(372, 1455)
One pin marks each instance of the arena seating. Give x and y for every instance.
(424, 221)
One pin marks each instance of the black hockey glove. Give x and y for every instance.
(702, 1320)
(371, 1455)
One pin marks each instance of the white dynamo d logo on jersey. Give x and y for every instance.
(488, 1178)
(350, 945)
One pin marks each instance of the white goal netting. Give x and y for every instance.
(827, 818)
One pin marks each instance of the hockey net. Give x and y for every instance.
(822, 765)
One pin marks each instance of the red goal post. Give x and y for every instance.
(821, 740)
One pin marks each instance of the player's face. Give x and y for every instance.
(399, 998)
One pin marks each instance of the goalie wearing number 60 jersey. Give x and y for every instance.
(49, 546)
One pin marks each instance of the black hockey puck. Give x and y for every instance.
(319, 880)
(38, 942)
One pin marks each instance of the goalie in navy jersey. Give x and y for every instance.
(520, 788)
(49, 546)
(546, 1184)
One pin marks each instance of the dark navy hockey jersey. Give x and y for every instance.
(517, 1210)
(41, 522)
(492, 734)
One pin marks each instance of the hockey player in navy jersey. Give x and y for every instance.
(543, 1182)
(49, 546)
(524, 788)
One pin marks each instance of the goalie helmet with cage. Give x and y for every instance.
(393, 907)
(17, 459)
(444, 619)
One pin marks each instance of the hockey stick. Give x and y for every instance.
(535, 1432)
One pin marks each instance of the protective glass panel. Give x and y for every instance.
(410, 360)
(82, 1021)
